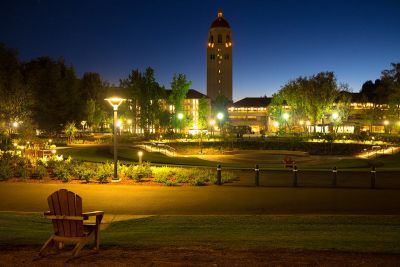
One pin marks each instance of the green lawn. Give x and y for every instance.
(129, 154)
(344, 233)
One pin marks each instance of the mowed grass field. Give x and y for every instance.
(340, 233)
(130, 154)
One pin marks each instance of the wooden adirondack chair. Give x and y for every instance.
(68, 222)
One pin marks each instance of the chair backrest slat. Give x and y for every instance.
(56, 211)
(72, 211)
(63, 200)
(78, 211)
(66, 203)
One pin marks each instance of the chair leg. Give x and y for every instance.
(97, 237)
(97, 231)
(47, 246)
(78, 247)
(60, 245)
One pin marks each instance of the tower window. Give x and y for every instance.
(219, 71)
(228, 38)
(226, 56)
(211, 39)
(212, 56)
(219, 38)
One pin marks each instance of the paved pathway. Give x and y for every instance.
(128, 199)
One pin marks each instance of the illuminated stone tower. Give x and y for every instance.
(219, 58)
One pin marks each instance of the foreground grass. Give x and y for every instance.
(344, 233)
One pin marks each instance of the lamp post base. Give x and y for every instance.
(113, 180)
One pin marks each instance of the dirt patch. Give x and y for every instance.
(194, 256)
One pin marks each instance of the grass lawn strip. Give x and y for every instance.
(341, 233)
(129, 155)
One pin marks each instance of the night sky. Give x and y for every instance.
(273, 41)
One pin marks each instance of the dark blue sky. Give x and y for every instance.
(274, 41)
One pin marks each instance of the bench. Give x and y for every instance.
(288, 162)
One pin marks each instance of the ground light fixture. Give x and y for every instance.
(220, 116)
(335, 116)
(180, 116)
(115, 102)
(140, 154)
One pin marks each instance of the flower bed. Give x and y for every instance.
(16, 167)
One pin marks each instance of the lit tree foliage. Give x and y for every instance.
(146, 95)
(313, 96)
(179, 89)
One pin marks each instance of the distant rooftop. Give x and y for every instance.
(253, 102)
(192, 94)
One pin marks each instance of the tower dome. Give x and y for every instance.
(220, 21)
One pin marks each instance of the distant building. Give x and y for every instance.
(219, 59)
(191, 106)
(251, 112)
(363, 116)
(191, 110)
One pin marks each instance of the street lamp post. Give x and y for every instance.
(286, 116)
(386, 123)
(180, 117)
(212, 124)
(115, 102)
(140, 154)
(220, 117)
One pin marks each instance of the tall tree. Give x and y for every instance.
(16, 99)
(56, 90)
(315, 95)
(277, 108)
(179, 89)
(146, 95)
(204, 113)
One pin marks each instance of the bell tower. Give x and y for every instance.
(219, 58)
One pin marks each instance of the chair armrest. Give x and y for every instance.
(97, 213)
(93, 213)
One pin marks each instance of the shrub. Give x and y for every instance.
(9, 164)
(162, 174)
(84, 171)
(138, 172)
(22, 166)
(6, 170)
(192, 176)
(170, 183)
(104, 171)
(39, 172)
(183, 175)
(62, 170)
